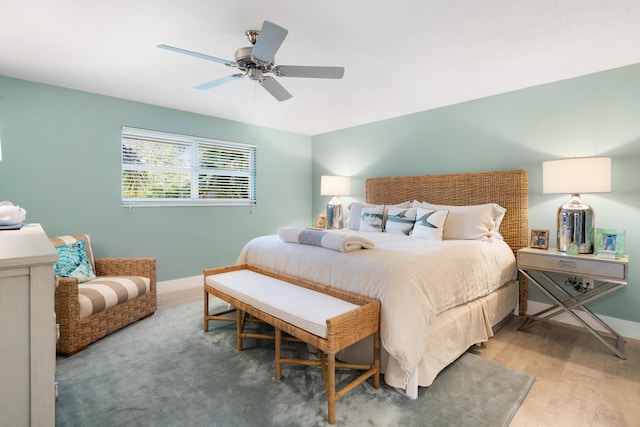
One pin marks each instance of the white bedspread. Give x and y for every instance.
(414, 279)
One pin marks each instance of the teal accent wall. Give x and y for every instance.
(593, 115)
(61, 162)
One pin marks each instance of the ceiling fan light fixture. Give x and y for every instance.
(255, 73)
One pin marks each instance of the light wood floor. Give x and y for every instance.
(578, 383)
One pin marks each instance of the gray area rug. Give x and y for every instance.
(165, 371)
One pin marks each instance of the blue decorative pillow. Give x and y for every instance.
(73, 262)
(400, 220)
(371, 218)
(429, 224)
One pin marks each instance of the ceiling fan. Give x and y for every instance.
(256, 62)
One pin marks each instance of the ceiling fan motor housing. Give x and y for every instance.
(243, 58)
(246, 61)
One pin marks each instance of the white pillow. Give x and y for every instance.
(430, 224)
(371, 218)
(400, 220)
(355, 209)
(473, 222)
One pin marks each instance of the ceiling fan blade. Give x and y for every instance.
(275, 88)
(197, 55)
(219, 81)
(269, 41)
(308, 72)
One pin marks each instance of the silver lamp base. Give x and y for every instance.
(575, 225)
(334, 214)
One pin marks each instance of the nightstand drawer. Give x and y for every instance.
(585, 266)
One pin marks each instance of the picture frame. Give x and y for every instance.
(609, 243)
(322, 221)
(539, 239)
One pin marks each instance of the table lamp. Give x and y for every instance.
(334, 186)
(576, 218)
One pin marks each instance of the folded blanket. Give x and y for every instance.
(329, 240)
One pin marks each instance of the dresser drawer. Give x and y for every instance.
(584, 266)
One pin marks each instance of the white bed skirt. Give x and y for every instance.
(454, 331)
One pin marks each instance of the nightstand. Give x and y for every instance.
(599, 277)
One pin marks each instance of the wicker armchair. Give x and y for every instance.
(76, 332)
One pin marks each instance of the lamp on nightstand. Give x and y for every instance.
(334, 186)
(575, 176)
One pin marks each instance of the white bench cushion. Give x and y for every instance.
(105, 292)
(302, 307)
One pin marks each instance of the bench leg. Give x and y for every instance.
(376, 358)
(239, 328)
(220, 315)
(331, 387)
(206, 311)
(323, 365)
(278, 354)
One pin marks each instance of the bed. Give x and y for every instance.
(423, 327)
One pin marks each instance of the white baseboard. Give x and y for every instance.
(625, 328)
(180, 284)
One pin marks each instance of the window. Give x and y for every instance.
(164, 169)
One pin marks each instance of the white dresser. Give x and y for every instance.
(27, 328)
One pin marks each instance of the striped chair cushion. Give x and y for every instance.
(105, 292)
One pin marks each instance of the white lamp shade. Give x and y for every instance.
(577, 176)
(334, 185)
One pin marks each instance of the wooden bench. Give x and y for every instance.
(328, 319)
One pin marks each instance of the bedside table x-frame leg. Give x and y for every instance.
(572, 302)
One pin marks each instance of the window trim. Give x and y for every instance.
(195, 142)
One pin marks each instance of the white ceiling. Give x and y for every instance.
(400, 57)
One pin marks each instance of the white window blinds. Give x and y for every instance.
(164, 169)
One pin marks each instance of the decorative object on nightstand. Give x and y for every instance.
(576, 176)
(609, 243)
(589, 278)
(539, 239)
(321, 222)
(572, 249)
(334, 186)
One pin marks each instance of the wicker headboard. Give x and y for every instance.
(509, 189)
